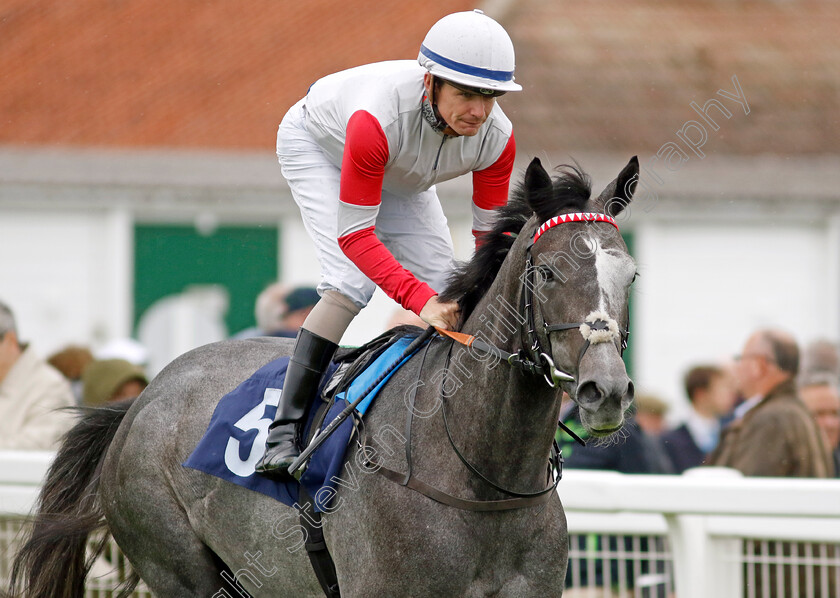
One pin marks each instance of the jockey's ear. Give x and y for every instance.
(538, 190)
(615, 197)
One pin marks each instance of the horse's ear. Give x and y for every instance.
(538, 190)
(615, 197)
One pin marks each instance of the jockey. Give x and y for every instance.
(362, 153)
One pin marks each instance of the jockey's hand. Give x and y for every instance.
(440, 314)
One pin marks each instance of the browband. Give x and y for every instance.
(574, 217)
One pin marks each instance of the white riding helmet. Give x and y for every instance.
(471, 49)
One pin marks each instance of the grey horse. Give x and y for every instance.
(480, 431)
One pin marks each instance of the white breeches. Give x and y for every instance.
(414, 229)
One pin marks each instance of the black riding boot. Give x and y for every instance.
(311, 357)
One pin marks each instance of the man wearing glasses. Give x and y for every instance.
(773, 433)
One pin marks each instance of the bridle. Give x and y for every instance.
(534, 358)
(597, 327)
(519, 500)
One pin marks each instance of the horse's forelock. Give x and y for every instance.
(571, 190)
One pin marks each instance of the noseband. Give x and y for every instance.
(597, 327)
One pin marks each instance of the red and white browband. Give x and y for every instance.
(574, 217)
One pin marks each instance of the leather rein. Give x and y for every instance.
(536, 360)
(519, 500)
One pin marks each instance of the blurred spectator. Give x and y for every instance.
(107, 380)
(71, 361)
(820, 358)
(710, 390)
(823, 401)
(32, 393)
(650, 413)
(280, 311)
(773, 433)
(818, 388)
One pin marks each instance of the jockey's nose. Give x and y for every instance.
(480, 107)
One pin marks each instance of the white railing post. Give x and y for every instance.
(704, 565)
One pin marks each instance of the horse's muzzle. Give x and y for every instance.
(603, 394)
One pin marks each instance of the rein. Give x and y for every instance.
(521, 499)
(597, 327)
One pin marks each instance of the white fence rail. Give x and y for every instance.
(727, 536)
(707, 533)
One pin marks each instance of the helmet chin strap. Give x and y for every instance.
(431, 114)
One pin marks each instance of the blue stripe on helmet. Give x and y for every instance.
(465, 68)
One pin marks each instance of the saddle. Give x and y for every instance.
(351, 363)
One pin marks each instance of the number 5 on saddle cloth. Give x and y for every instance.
(234, 441)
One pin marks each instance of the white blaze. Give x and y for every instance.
(615, 271)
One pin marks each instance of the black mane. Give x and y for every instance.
(570, 192)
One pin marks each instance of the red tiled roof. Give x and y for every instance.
(616, 75)
(214, 73)
(598, 75)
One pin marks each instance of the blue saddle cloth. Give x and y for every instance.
(235, 438)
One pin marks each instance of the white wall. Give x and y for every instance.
(66, 275)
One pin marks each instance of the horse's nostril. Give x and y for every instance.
(589, 393)
(631, 391)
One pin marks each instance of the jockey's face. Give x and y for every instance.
(463, 110)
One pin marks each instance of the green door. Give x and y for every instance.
(242, 259)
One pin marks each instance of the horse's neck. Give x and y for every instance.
(512, 416)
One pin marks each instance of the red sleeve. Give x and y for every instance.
(491, 185)
(374, 259)
(362, 172)
(364, 159)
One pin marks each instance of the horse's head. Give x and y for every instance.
(578, 277)
(560, 253)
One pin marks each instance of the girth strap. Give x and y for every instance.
(316, 546)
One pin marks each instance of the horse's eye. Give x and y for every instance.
(546, 273)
